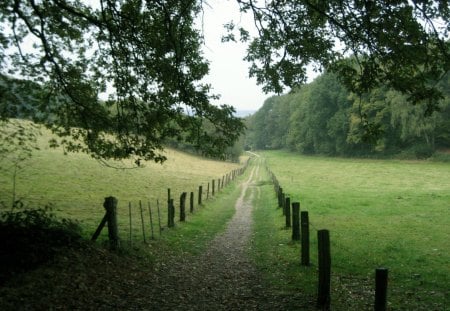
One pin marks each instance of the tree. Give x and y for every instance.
(401, 44)
(148, 53)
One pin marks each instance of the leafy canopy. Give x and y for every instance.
(402, 44)
(149, 54)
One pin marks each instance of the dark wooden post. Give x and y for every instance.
(223, 179)
(213, 186)
(381, 280)
(207, 192)
(159, 217)
(324, 287)
(200, 190)
(142, 221)
(283, 203)
(296, 221)
(304, 220)
(110, 206)
(131, 223)
(168, 197)
(151, 220)
(280, 194)
(183, 206)
(287, 212)
(191, 202)
(171, 214)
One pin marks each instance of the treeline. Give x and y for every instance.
(324, 118)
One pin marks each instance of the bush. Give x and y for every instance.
(32, 237)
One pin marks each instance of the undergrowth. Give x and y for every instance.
(32, 237)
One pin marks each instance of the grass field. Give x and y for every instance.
(380, 213)
(76, 185)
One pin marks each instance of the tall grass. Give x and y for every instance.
(393, 214)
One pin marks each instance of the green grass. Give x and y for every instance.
(380, 213)
(76, 185)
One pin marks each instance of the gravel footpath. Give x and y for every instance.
(223, 277)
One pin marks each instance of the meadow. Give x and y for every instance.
(380, 213)
(75, 185)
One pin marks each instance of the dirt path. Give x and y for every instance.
(224, 277)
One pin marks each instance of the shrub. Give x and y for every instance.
(31, 237)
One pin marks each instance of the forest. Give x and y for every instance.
(324, 118)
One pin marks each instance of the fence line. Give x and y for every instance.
(324, 254)
(142, 214)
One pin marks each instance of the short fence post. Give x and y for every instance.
(324, 288)
(280, 193)
(287, 212)
(171, 214)
(159, 217)
(168, 197)
(283, 203)
(200, 190)
(151, 220)
(213, 186)
(381, 280)
(110, 205)
(131, 223)
(183, 206)
(207, 192)
(142, 221)
(296, 221)
(191, 202)
(304, 221)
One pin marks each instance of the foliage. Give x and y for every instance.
(31, 237)
(146, 54)
(400, 44)
(324, 118)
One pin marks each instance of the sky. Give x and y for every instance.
(228, 71)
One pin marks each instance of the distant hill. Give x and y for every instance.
(244, 113)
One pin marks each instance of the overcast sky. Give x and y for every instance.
(228, 72)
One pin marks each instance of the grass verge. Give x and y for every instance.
(380, 213)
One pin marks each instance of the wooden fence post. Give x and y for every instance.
(287, 212)
(110, 205)
(324, 287)
(191, 202)
(159, 217)
(168, 197)
(183, 206)
(142, 221)
(213, 186)
(381, 280)
(207, 192)
(283, 203)
(200, 190)
(296, 221)
(304, 221)
(171, 214)
(151, 220)
(131, 223)
(280, 193)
